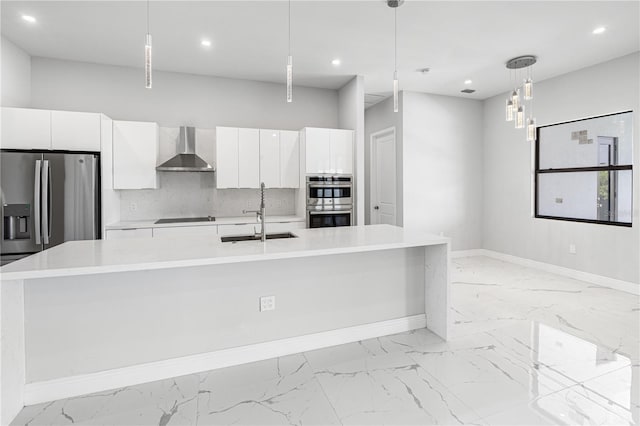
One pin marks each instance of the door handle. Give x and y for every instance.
(36, 201)
(46, 193)
(376, 208)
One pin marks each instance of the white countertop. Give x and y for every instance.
(107, 256)
(219, 221)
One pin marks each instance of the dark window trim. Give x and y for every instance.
(539, 171)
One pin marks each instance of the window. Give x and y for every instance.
(584, 170)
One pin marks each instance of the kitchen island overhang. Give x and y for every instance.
(98, 315)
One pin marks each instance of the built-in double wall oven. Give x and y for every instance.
(329, 201)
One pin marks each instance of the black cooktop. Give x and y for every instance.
(186, 219)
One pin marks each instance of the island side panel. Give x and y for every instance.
(86, 324)
(437, 289)
(12, 360)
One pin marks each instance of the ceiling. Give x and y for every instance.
(457, 40)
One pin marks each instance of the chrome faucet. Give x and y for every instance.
(260, 214)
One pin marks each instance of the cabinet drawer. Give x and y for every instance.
(120, 234)
(181, 231)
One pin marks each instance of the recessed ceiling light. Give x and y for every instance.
(468, 82)
(599, 30)
(29, 19)
(335, 62)
(206, 43)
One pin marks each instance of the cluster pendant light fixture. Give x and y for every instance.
(515, 106)
(395, 4)
(147, 55)
(289, 64)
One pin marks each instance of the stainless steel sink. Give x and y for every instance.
(254, 237)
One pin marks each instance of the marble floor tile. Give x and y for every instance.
(280, 391)
(166, 402)
(390, 389)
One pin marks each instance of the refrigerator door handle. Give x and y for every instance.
(46, 193)
(36, 200)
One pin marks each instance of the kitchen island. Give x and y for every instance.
(89, 316)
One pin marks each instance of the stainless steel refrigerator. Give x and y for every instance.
(47, 198)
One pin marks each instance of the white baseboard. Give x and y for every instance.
(600, 280)
(67, 387)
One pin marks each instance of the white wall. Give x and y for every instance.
(351, 116)
(509, 227)
(380, 117)
(443, 167)
(16, 75)
(177, 99)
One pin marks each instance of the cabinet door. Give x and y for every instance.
(289, 159)
(226, 157)
(270, 158)
(75, 131)
(239, 229)
(183, 231)
(135, 152)
(318, 151)
(249, 158)
(121, 234)
(24, 128)
(341, 151)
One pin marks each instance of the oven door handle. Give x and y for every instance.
(329, 185)
(325, 212)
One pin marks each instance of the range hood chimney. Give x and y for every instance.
(186, 160)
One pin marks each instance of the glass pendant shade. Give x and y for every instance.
(147, 62)
(520, 117)
(531, 129)
(509, 110)
(528, 89)
(395, 91)
(515, 98)
(289, 78)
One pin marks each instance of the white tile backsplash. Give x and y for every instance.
(185, 194)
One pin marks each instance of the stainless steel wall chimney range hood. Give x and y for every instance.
(186, 160)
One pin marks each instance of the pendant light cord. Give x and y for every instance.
(395, 39)
(147, 16)
(289, 27)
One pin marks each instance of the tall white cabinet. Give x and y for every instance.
(135, 155)
(237, 158)
(328, 150)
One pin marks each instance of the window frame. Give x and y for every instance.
(609, 168)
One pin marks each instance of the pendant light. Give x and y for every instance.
(289, 64)
(147, 55)
(395, 4)
(514, 107)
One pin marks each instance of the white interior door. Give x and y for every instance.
(383, 177)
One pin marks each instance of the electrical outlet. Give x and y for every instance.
(267, 303)
(133, 207)
(572, 248)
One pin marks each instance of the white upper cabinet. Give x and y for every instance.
(24, 128)
(328, 151)
(270, 158)
(226, 157)
(341, 148)
(289, 159)
(135, 155)
(318, 153)
(249, 158)
(75, 131)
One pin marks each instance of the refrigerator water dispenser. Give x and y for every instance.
(16, 221)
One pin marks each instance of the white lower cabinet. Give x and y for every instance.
(120, 234)
(238, 229)
(284, 227)
(182, 231)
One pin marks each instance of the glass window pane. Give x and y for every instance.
(603, 195)
(599, 141)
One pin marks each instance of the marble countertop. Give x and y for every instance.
(232, 220)
(136, 254)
